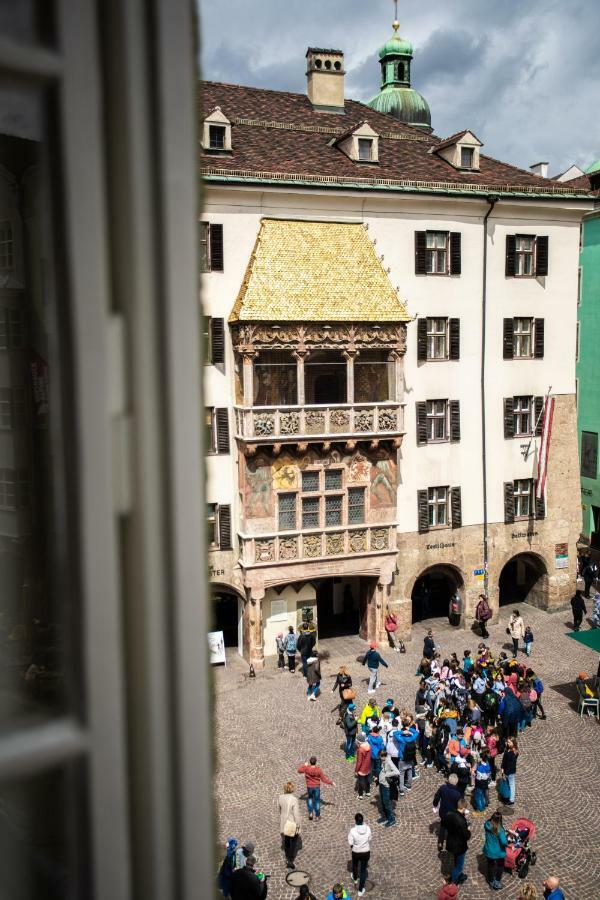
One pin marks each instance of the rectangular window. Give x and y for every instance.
(216, 137)
(310, 512)
(437, 342)
(210, 430)
(524, 250)
(437, 252)
(310, 482)
(333, 479)
(287, 512)
(11, 329)
(523, 494)
(211, 525)
(204, 247)
(365, 149)
(6, 246)
(211, 247)
(333, 510)
(522, 338)
(467, 155)
(589, 454)
(437, 420)
(356, 506)
(522, 415)
(437, 502)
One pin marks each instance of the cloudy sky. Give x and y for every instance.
(524, 75)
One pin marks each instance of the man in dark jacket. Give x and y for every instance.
(372, 661)
(457, 840)
(446, 798)
(245, 883)
(579, 609)
(350, 728)
(305, 646)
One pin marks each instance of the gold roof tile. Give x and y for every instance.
(313, 272)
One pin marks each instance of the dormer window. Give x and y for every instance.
(467, 156)
(360, 143)
(365, 149)
(216, 137)
(461, 151)
(216, 133)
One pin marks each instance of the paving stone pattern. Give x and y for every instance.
(266, 728)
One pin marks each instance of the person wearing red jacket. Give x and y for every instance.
(362, 769)
(314, 775)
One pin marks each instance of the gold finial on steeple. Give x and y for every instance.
(396, 23)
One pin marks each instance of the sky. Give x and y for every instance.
(524, 75)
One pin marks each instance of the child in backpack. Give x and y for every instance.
(528, 640)
(280, 651)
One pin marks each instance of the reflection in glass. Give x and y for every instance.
(32, 620)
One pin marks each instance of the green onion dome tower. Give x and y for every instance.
(396, 97)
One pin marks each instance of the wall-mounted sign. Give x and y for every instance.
(479, 575)
(523, 534)
(278, 611)
(441, 545)
(561, 556)
(216, 648)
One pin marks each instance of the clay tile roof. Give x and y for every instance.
(313, 272)
(278, 137)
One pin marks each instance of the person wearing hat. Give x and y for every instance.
(372, 661)
(246, 884)
(242, 853)
(350, 726)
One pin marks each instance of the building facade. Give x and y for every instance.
(385, 312)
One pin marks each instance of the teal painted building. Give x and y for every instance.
(588, 366)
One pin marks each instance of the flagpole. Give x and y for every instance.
(535, 427)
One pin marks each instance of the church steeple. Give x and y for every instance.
(396, 96)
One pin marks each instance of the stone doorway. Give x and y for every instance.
(433, 592)
(341, 606)
(524, 579)
(226, 615)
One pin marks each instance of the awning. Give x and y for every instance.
(316, 272)
(589, 638)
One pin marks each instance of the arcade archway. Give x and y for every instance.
(524, 579)
(433, 592)
(227, 615)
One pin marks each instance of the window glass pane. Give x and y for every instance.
(365, 149)
(466, 157)
(310, 481)
(39, 595)
(216, 137)
(356, 505)
(333, 510)
(333, 479)
(275, 379)
(287, 512)
(310, 512)
(43, 835)
(204, 248)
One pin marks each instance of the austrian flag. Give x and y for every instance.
(548, 415)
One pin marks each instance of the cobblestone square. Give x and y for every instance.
(265, 729)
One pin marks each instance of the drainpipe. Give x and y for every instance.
(492, 202)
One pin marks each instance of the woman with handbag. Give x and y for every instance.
(289, 822)
(343, 682)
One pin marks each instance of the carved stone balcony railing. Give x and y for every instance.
(328, 543)
(261, 424)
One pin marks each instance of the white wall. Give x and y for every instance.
(306, 596)
(392, 221)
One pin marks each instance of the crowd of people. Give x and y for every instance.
(466, 722)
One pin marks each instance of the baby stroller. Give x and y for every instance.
(519, 855)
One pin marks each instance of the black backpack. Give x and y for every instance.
(409, 754)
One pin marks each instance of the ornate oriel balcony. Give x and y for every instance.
(294, 546)
(261, 424)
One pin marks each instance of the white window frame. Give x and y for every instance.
(438, 506)
(525, 256)
(521, 335)
(523, 410)
(214, 127)
(471, 152)
(365, 144)
(210, 413)
(437, 421)
(437, 252)
(523, 492)
(437, 335)
(212, 521)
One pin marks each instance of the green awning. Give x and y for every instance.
(589, 638)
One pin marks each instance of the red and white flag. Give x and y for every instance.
(547, 416)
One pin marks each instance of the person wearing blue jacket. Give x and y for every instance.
(338, 892)
(377, 745)
(406, 741)
(372, 661)
(552, 890)
(494, 850)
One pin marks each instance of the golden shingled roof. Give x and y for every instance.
(315, 271)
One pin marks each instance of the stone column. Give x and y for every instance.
(248, 378)
(396, 377)
(350, 356)
(252, 628)
(300, 357)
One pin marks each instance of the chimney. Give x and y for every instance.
(540, 168)
(325, 79)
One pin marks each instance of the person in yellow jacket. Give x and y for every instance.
(369, 710)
